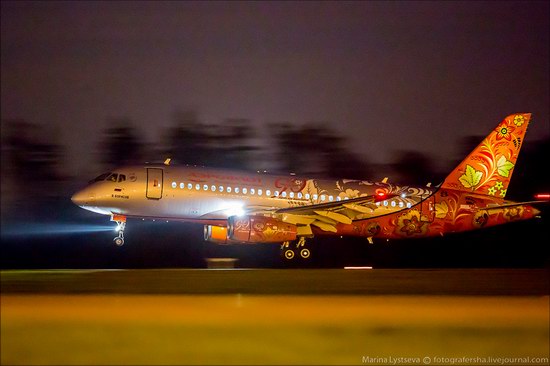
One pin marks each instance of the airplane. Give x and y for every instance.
(238, 207)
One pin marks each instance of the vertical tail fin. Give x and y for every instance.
(488, 169)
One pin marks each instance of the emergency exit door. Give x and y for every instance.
(154, 184)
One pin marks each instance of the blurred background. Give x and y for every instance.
(348, 90)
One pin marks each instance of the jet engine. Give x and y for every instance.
(215, 234)
(259, 229)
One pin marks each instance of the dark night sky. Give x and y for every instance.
(388, 75)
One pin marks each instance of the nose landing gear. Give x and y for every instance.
(119, 240)
(121, 224)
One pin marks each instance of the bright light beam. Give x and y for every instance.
(45, 229)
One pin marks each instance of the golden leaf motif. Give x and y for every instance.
(441, 209)
(471, 177)
(504, 166)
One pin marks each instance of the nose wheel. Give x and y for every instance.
(119, 241)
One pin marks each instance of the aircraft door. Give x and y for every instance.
(154, 183)
(428, 209)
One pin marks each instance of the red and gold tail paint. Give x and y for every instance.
(488, 169)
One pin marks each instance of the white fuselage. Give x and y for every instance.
(201, 194)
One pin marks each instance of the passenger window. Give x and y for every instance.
(259, 192)
(284, 194)
(228, 189)
(299, 194)
(189, 186)
(245, 190)
(121, 177)
(315, 197)
(268, 193)
(307, 196)
(322, 197)
(276, 193)
(205, 187)
(291, 194)
(252, 191)
(113, 177)
(330, 198)
(182, 185)
(213, 188)
(198, 187)
(220, 188)
(174, 184)
(236, 189)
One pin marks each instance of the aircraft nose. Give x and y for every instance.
(82, 198)
(78, 198)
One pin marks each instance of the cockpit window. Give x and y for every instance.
(110, 176)
(113, 177)
(100, 178)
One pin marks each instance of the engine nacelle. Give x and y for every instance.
(259, 229)
(215, 234)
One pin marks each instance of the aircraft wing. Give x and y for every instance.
(326, 215)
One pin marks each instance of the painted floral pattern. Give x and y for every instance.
(519, 120)
(452, 214)
(488, 169)
(504, 131)
(513, 213)
(468, 199)
(411, 223)
(480, 219)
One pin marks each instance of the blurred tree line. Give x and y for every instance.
(312, 149)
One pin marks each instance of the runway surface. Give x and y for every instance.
(507, 282)
(275, 317)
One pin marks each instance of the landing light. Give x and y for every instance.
(403, 195)
(235, 211)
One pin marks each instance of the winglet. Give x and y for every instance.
(488, 169)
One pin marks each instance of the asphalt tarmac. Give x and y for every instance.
(479, 316)
(454, 282)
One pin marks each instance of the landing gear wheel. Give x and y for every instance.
(305, 253)
(289, 254)
(121, 225)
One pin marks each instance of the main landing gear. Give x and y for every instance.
(121, 224)
(289, 253)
